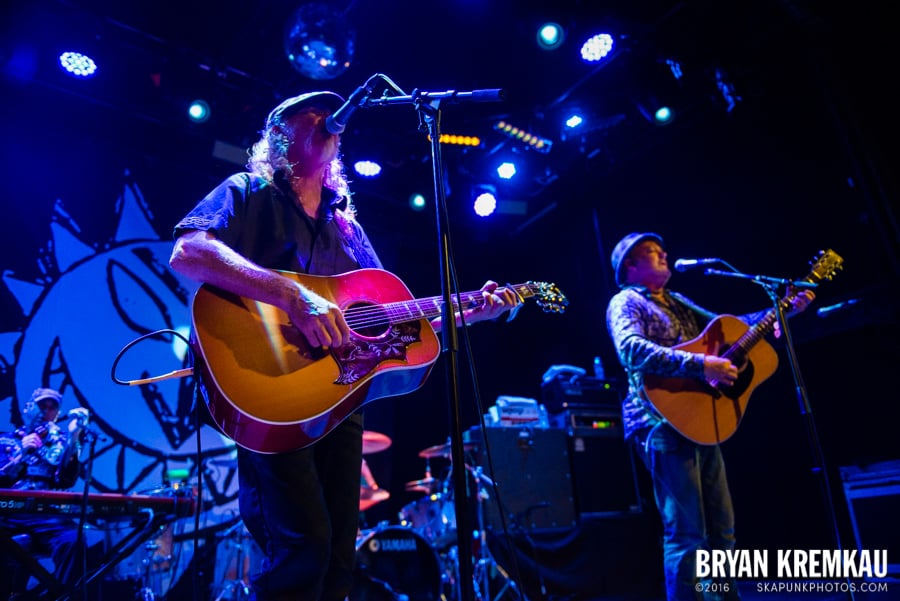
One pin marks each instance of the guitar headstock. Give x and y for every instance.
(826, 264)
(549, 297)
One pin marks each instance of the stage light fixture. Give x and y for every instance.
(550, 36)
(417, 202)
(656, 112)
(318, 41)
(77, 64)
(367, 168)
(663, 115)
(574, 120)
(506, 170)
(199, 111)
(459, 140)
(530, 140)
(485, 202)
(597, 47)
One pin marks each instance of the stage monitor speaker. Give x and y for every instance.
(532, 469)
(873, 500)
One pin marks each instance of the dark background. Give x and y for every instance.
(802, 163)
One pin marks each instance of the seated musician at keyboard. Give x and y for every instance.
(44, 454)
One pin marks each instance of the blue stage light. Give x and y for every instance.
(485, 204)
(199, 111)
(367, 168)
(506, 170)
(550, 36)
(417, 202)
(597, 47)
(77, 64)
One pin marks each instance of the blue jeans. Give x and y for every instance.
(302, 509)
(692, 496)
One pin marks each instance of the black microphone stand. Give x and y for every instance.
(80, 543)
(769, 285)
(428, 106)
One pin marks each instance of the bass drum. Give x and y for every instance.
(395, 563)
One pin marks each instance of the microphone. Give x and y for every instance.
(683, 264)
(337, 121)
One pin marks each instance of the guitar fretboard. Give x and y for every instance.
(425, 308)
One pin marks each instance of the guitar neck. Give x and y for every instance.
(430, 307)
(760, 329)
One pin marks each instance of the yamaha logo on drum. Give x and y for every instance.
(392, 544)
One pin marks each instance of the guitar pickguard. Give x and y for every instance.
(362, 355)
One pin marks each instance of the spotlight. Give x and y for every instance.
(367, 168)
(506, 170)
(77, 64)
(574, 121)
(597, 47)
(550, 36)
(417, 202)
(663, 115)
(198, 111)
(656, 112)
(485, 203)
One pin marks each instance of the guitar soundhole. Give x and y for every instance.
(745, 377)
(367, 320)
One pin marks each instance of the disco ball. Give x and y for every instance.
(318, 42)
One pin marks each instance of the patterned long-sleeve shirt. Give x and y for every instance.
(643, 330)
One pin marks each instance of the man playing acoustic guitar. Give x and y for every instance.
(645, 321)
(292, 212)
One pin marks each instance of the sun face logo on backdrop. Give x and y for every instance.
(91, 302)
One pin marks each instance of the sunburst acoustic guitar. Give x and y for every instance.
(270, 392)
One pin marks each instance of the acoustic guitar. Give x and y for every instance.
(270, 392)
(710, 412)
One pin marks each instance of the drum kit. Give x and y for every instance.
(418, 560)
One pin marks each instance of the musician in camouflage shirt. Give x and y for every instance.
(645, 320)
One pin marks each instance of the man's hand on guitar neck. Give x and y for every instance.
(799, 302)
(796, 304)
(496, 300)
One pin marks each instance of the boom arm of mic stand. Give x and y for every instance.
(761, 279)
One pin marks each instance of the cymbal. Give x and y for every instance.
(425, 485)
(444, 450)
(371, 496)
(374, 442)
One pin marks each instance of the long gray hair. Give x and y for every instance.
(268, 159)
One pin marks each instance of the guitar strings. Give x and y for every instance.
(375, 315)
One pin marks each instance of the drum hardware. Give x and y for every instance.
(158, 558)
(375, 442)
(236, 587)
(443, 450)
(428, 484)
(395, 564)
(486, 567)
(370, 493)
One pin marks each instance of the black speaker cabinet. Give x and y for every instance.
(532, 470)
(873, 499)
(603, 470)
